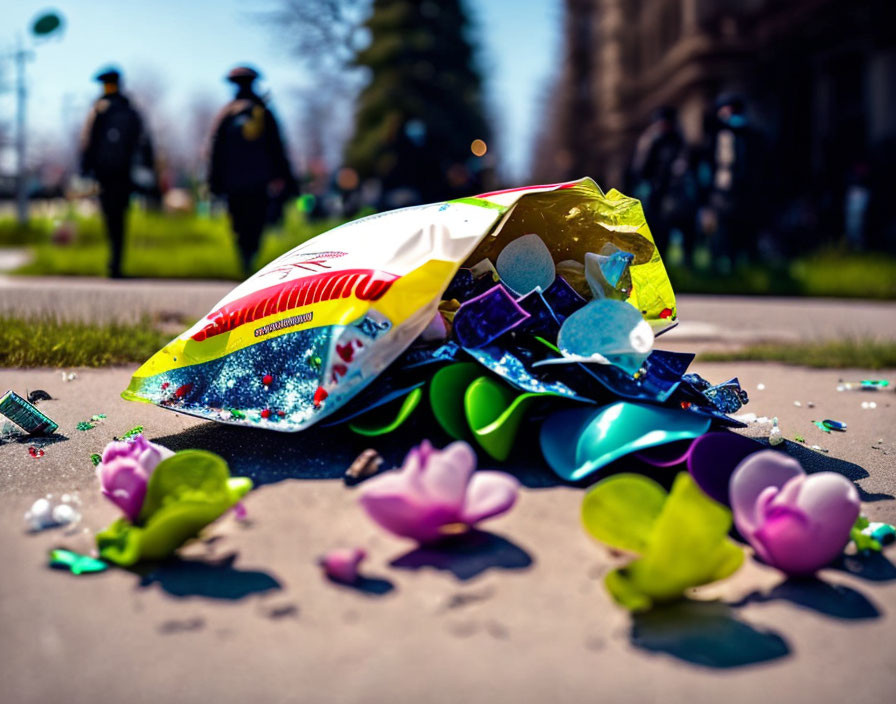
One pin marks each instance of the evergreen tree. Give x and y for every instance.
(421, 110)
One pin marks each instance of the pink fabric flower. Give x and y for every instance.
(436, 492)
(342, 564)
(795, 522)
(125, 470)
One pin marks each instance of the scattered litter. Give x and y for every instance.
(834, 425)
(39, 395)
(25, 415)
(809, 404)
(35, 452)
(341, 565)
(818, 448)
(75, 562)
(750, 418)
(96, 458)
(240, 512)
(864, 385)
(774, 436)
(821, 426)
(797, 404)
(365, 465)
(132, 433)
(868, 405)
(69, 376)
(799, 438)
(760, 387)
(92, 422)
(883, 533)
(50, 512)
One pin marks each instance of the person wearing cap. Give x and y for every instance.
(114, 148)
(248, 163)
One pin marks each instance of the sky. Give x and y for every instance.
(188, 46)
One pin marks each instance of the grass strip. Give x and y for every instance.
(48, 342)
(832, 354)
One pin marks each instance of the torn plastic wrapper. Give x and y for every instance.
(328, 317)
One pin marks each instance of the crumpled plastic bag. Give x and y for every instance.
(297, 340)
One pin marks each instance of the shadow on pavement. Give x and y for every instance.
(813, 461)
(834, 600)
(371, 586)
(326, 452)
(214, 580)
(874, 567)
(467, 556)
(705, 633)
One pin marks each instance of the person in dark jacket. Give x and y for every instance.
(248, 165)
(735, 167)
(114, 149)
(658, 165)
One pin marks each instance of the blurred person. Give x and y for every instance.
(116, 151)
(660, 173)
(733, 170)
(248, 164)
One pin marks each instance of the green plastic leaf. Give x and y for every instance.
(621, 510)
(446, 397)
(75, 562)
(185, 493)
(494, 412)
(686, 546)
(373, 423)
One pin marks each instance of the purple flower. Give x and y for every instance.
(795, 522)
(436, 493)
(125, 470)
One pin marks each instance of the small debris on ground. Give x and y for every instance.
(365, 465)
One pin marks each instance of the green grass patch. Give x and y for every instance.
(48, 342)
(831, 272)
(157, 245)
(834, 354)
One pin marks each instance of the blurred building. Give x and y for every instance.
(818, 77)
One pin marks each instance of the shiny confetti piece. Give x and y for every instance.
(608, 273)
(834, 425)
(96, 458)
(486, 317)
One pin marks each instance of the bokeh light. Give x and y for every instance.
(478, 147)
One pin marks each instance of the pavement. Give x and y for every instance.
(517, 613)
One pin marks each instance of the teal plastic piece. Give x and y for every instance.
(75, 562)
(579, 442)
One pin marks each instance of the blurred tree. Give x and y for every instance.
(418, 116)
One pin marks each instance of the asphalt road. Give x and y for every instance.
(520, 615)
